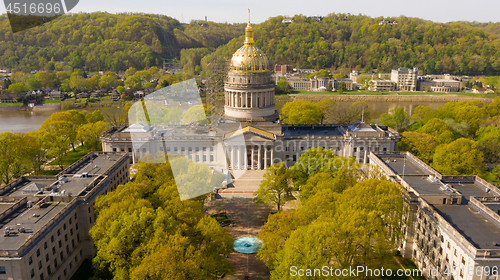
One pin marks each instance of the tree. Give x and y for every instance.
(15, 155)
(282, 87)
(342, 87)
(327, 107)
(120, 90)
(93, 82)
(90, 133)
(130, 71)
(108, 81)
(460, 157)
(17, 88)
(274, 189)
(47, 79)
(77, 82)
(33, 83)
(143, 230)
(58, 132)
(397, 118)
(420, 144)
(488, 139)
(311, 162)
(439, 129)
(301, 112)
(94, 117)
(329, 87)
(420, 112)
(275, 232)
(133, 82)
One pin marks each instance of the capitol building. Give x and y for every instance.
(250, 134)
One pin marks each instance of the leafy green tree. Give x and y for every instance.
(342, 87)
(274, 189)
(460, 157)
(301, 112)
(15, 155)
(77, 82)
(420, 112)
(33, 83)
(47, 79)
(108, 81)
(93, 82)
(275, 232)
(90, 133)
(282, 87)
(133, 82)
(311, 162)
(422, 145)
(58, 133)
(17, 88)
(439, 129)
(130, 71)
(120, 90)
(143, 230)
(397, 118)
(488, 139)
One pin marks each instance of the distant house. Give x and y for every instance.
(56, 95)
(115, 96)
(82, 95)
(95, 94)
(8, 98)
(287, 20)
(139, 94)
(31, 103)
(482, 90)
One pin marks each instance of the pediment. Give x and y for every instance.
(251, 134)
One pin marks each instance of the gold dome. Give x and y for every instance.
(249, 58)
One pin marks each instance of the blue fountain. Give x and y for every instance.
(247, 245)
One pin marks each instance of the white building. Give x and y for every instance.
(452, 230)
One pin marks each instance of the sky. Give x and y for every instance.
(232, 11)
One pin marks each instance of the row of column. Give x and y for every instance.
(238, 157)
(249, 99)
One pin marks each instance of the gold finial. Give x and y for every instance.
(249, 33)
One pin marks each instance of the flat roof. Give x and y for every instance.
(44, 211)
(472, 225)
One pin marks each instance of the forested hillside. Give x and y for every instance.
(359, 42)
(103, 41)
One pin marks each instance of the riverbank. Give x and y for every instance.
(389, 98)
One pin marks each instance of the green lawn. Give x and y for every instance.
(52, 101)
(48, 172)
(366, 92)
(11, 104)
(72, 156)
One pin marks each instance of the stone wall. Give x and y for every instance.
(47, 107)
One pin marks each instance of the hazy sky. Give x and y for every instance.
(236, 11)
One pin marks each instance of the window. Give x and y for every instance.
(144, 150)
(385, 149)
(197, 149)
(463, 260)
(355, 149)
(70, 221)
(175, 149)
(40, 265)
(190, 149)
(183, 149)
(78, 237)
(448, 245)
(76, 226)
(55, 263)
(197, 158)
(32, 273)
(76, 259)
(114, 149)
(2, 270)
(204, 158)
(52, 238)
(294, 157)
(71, 232)
(37, 252)
(64, 226)
(45, 245)
(61, 255)
(70, 265)
(60, 244)
(48, 270)
(211, 158)
(90, 220)
(66, 237)
(67, 249)
(64, 272)
(41, 276)
(204, 149)
(53, 250)
(286, 149)
(47, 257)
(211, 149)
(73, 243)
(30, 260)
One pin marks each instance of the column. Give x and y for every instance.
(232, 157)
(225, 156)
(242, 156)
(364, 157)
(265, 157)
(259, 158)
(246, 157)
(272, 154)
(253, 149)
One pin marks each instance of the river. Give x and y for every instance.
(24, 121)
